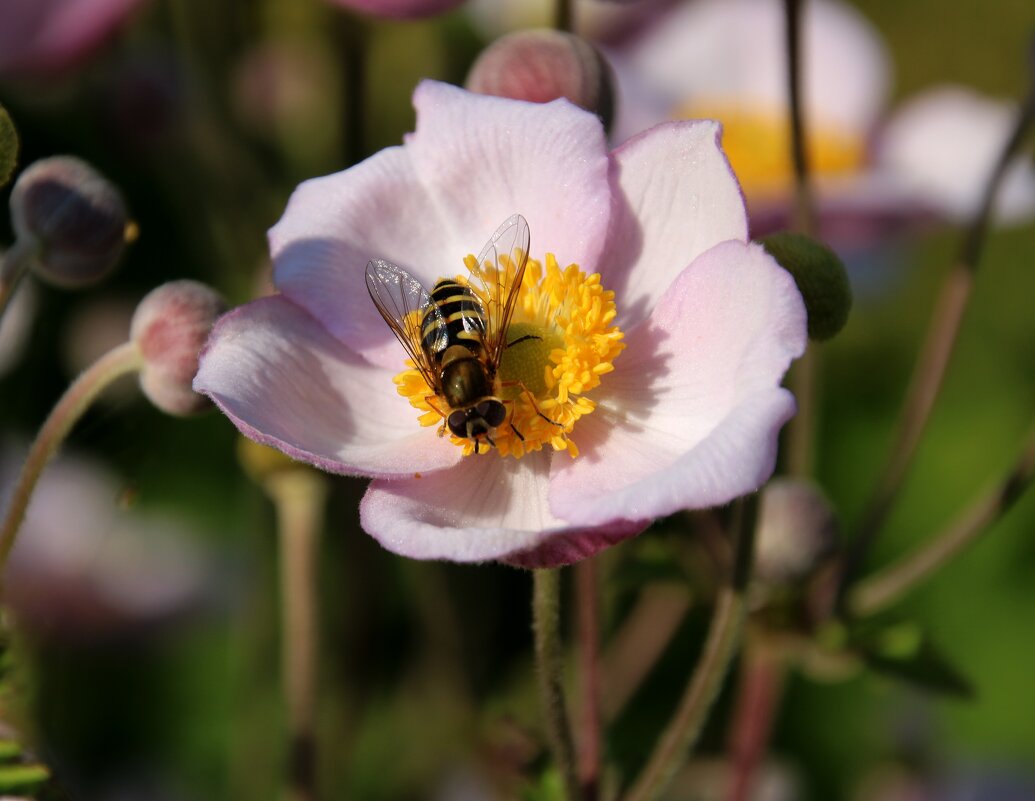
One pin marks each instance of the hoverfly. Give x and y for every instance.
(454, 337)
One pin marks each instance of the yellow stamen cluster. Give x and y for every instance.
(757, 143)
(568, 317)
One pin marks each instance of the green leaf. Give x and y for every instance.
(8, 146)
(902, 651)
(549, 788)
(9, 750)
(22, 778)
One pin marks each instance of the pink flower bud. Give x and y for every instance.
(797, 529)
(74, 215)
(543, 65)
(170, 327)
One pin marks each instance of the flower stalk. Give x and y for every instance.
(803, 375)
(298, 496)
(14, 264)
(877, 592)
(939, 344)
(119, 361)
(546, 608)
(724, 635)
(588, 594)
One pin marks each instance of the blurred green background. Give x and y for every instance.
(425, 675)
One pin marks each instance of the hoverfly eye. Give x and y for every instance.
(493, 412)
(457, 422)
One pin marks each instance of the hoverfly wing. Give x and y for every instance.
(403, 302)
(509, 245)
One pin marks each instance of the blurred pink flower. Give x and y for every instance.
(687, 418)
(726, 60)
(400, 8)
(44, 36)
(84, 567)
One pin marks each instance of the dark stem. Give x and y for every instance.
(564, 16)
(803, 374)
(587, 593)
(932, 363)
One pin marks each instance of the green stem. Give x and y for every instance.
(881, 590)
(724, 635)
(546, 608)
(14, 264)
(933, 361)
(299, 495)
(115, 363)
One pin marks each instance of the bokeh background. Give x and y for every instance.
(207, 115)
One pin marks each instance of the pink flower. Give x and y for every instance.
(400, 8)
(726, 60)
(42, 36)
(663, 370)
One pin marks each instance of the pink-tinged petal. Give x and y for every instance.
(335, 224)
(43, 36)
(675, 198)
(488, 158)
(404, 9)
(693, 409)
(485, 508)
(285, 382)
(943, 145)
(732, 52)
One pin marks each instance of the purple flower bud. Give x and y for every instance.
(797, 529)
(170, 327)
(75, 216)
(543, 65)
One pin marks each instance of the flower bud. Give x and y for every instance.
(260, 462)
(543, 65)
(797, 529)
(170, 326)
(821, 279)
(74, 215)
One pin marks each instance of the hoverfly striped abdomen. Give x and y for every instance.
(456, 308)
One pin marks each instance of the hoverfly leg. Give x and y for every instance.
(430, 400)
(522, 339)
(531, 399)
(514, 428)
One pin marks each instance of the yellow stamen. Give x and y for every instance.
(757, 143)
(572, 343)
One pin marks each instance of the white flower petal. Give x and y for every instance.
(676, 197)
(489, 158)
(692, 411)
(487, 507)
(335, 224)
(733, 51)
(943, 144)
(285, 382)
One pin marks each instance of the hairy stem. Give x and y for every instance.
(81, 393)
(724, 636)
(546, 616)
(881, 590)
